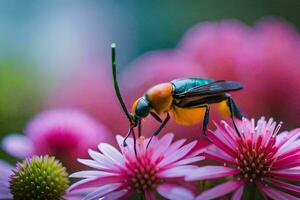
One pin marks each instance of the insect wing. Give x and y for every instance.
(210, 89)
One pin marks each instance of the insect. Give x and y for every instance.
(184, 98)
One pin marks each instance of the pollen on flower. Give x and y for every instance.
(143, 174)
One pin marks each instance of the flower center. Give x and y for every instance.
(143, 175)
(254, 163)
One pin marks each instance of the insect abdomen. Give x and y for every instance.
(184, 84)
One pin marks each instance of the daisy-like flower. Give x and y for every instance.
(119, 175)
(261, 158)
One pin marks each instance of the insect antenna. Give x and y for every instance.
(118, 93)
(116, 84)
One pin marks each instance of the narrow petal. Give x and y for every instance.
(210, 172)
(104, 162)
(90, 174)
(189, 160)
(175, 192)
(220, 190)
(112, 153)
(287, 186)
(289, 174)
(174, 146)
(101, 191)
(162, 145)
(177, 154)
(95, 182)
(237, 195)
(18, 145)
(149, 195)
(217, 154)
(115, 195)
(218, 142)
(275, 194)
(179, 171)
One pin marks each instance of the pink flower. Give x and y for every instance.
(5, 173)
(121, 175)
(267, 55)
(158, 67)
(64, 134)
(260, 158)
(93, 92)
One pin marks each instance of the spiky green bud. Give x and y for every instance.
(39, 178)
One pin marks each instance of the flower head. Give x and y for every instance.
(39, 178)
(261, 158)
(122, 174)
(64, 134)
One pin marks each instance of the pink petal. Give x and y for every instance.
(210, 172)
(218, 142)
(149, 195)
(115, 195)
(104, 162)
(162, 145)
(275, 194)
(102, 191)
(173, 147)
(177, 154)
(289, 174)
(286, 140)
(112, 153)
(90, 174)
(179, 171)
(189, 160)
(220, 190)
(175, 192)
(237, 195)
(217, 154)
(18, 145)
(287, 186)
(90, 163)
(95, 182)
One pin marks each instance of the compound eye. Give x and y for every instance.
(142, 108)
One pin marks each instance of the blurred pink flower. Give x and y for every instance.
(92, 91)
(5, 173)
(65, 134)
(264, 58)
(121, 175)
(260, 158)
(154, 68)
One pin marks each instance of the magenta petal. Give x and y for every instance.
(102, 191)
(290, 174)
(275, 194)
(287, 186)
(116, 195)
(237, 195)
(210, 172)
(149, 195)
(175, 192)
(220, 190)
(18, 145)
(178, 171)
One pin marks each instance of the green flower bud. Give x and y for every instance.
(39, 178)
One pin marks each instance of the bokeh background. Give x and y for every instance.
(56, 54)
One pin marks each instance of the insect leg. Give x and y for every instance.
(134, 142)
(162, 125)
(205, 120)
(139, 128)
(231, 104)
(156, 117)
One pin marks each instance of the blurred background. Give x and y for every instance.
(56, 55)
